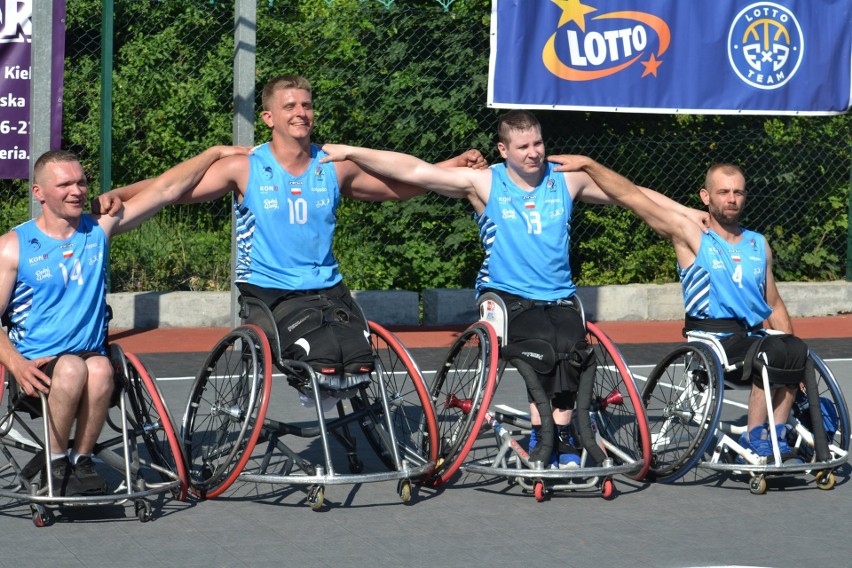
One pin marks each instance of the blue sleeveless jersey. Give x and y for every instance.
(526, 235)
(59, 302)
(728, 280)
(285, 225)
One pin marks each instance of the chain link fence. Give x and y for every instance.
(411, 75)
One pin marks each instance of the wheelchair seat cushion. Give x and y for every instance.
(324, 333)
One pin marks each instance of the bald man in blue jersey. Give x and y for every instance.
(728, 289)
(523, 207)
(53, 298)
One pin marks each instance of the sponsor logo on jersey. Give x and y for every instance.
(718, 264)
(270, 204)
(508, 213)
(35, 244)
(37, 259)
(43, 274)
(268, 188)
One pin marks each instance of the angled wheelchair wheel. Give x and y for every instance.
(154, 423)
(226, 408)
(617, 406)
(833, 409)
(461, 392)
(412, 415)
(683, 403)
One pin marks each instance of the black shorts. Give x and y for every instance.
(559, 325)
(783, 352)
(324, 328)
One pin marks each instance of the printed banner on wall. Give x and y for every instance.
(15, 75)
(672, 56)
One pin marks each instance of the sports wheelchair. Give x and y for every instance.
(684, 398)
(228, 436)
(138, 443)
(610, 418)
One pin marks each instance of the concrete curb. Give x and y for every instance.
(633, 302)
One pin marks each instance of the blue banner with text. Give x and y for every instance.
(672, 56)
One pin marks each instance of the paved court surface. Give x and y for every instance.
(708, 520)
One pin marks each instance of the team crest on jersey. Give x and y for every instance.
(34, 243)
(267, 172)
(551, 183)
(318, 172)
(753, 244)
(765, 45)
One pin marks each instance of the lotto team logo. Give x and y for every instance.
(765, 45)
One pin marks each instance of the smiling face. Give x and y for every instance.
(290, 113)
(61, 188)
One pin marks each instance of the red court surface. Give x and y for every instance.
(187, 340)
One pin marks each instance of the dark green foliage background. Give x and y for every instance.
(412, 78)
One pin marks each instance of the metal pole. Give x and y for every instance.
(107, 20)
(245, 49)
(849, 227)
(41, 105)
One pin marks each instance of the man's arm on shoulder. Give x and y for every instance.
(169, 187)
(375, 175)
(665, 216)
(779, 319)
(26, 372)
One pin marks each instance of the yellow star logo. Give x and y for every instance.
(573, 11)
(651, 66)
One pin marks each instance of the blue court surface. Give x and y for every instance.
(707, 519)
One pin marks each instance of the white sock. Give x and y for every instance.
(54, 457)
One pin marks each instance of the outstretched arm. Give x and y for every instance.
(167, 188)
(356, 166)
(665, 216)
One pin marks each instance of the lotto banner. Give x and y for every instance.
(15, 75)
(672, 56)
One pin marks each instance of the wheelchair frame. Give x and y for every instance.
(463, 389)
(693, 418)
(142, 412)
(223, 427)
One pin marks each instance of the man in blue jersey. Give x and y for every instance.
(285, 204)
(523, 208)
(53, 299)
(728, 289)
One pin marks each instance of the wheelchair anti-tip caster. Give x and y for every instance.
(825, 479)
(757, 485)
(316, 497)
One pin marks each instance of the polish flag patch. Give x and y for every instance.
(296, 191)
(530, 205)
(68, 254)
(735, 257)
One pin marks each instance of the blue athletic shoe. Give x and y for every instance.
(757, 440)
(566, 448)
(535, 433)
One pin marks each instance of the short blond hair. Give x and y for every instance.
(280, 83)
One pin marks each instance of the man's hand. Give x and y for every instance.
(107, 204)
(569, 162)
(336, 153)
(700, 218)
(30, 378)
(473, 159)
